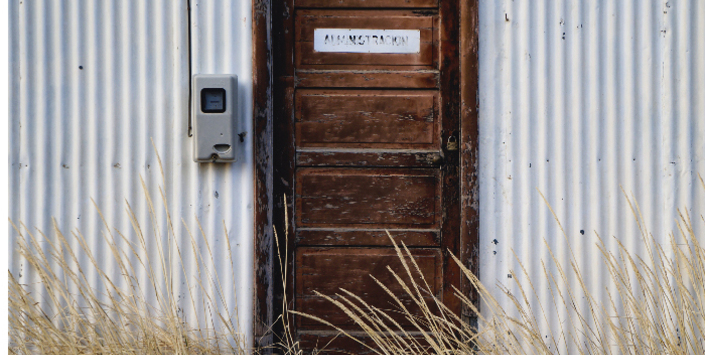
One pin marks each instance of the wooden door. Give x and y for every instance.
(365, 141)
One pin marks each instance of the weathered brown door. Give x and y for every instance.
(365, 141)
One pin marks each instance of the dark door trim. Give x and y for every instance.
(263, 316)
(273, 79)
(469, 146)
(270, 100)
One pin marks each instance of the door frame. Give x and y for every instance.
(273, 82)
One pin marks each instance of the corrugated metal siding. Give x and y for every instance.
(578, 99)
(13, 129)
(221, 38)
(96, 82)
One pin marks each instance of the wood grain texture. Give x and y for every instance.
(308, 20)
(421, 79)
(283, 153)
(327, 270)
(366, 237)
(367, 119)
(369, 157)
(469, 147)
(367, 198)
(332, 343)
(338, 182)
(263, 317)
(450, 84)
(367, 3)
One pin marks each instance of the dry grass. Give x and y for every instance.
(660, 302)
(83, 314)
(659, 306)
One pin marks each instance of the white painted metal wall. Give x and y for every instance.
(578, 99)
(93, 82)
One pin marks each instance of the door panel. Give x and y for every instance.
(363, 144)
(417, 79)
(368, 3)
(369, 157)
(317, 267)
(367, 236)
(381, 198)
(367, 119)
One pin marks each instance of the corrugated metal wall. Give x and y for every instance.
(93, 83)
(578, 99)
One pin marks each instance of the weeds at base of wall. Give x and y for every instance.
(72, 306)
(659, 306)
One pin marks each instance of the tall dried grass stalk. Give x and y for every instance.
(659, 303)
(82, 316)
(658, 307)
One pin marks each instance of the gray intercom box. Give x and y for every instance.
(214, 118)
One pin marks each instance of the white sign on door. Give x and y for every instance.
(349, 40)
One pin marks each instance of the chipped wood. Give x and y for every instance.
(367, 119)
(417, 79)
(469, 144)
(367, 237)
(319, 269)
(367, 197)
(263, 317)
(367, 3)
(355, 156)
(369, 157)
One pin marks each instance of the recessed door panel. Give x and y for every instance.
(367, 3)
(365, 198)
(367, 119)
(416, 79)
(327, 270)
(331, 236)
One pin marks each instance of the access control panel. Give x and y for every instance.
(214, 118)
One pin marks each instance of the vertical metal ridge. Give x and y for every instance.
(698, 104)
(580, 100)
(30, 40)
(221, 40)
(95, 84)
(14, 128)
